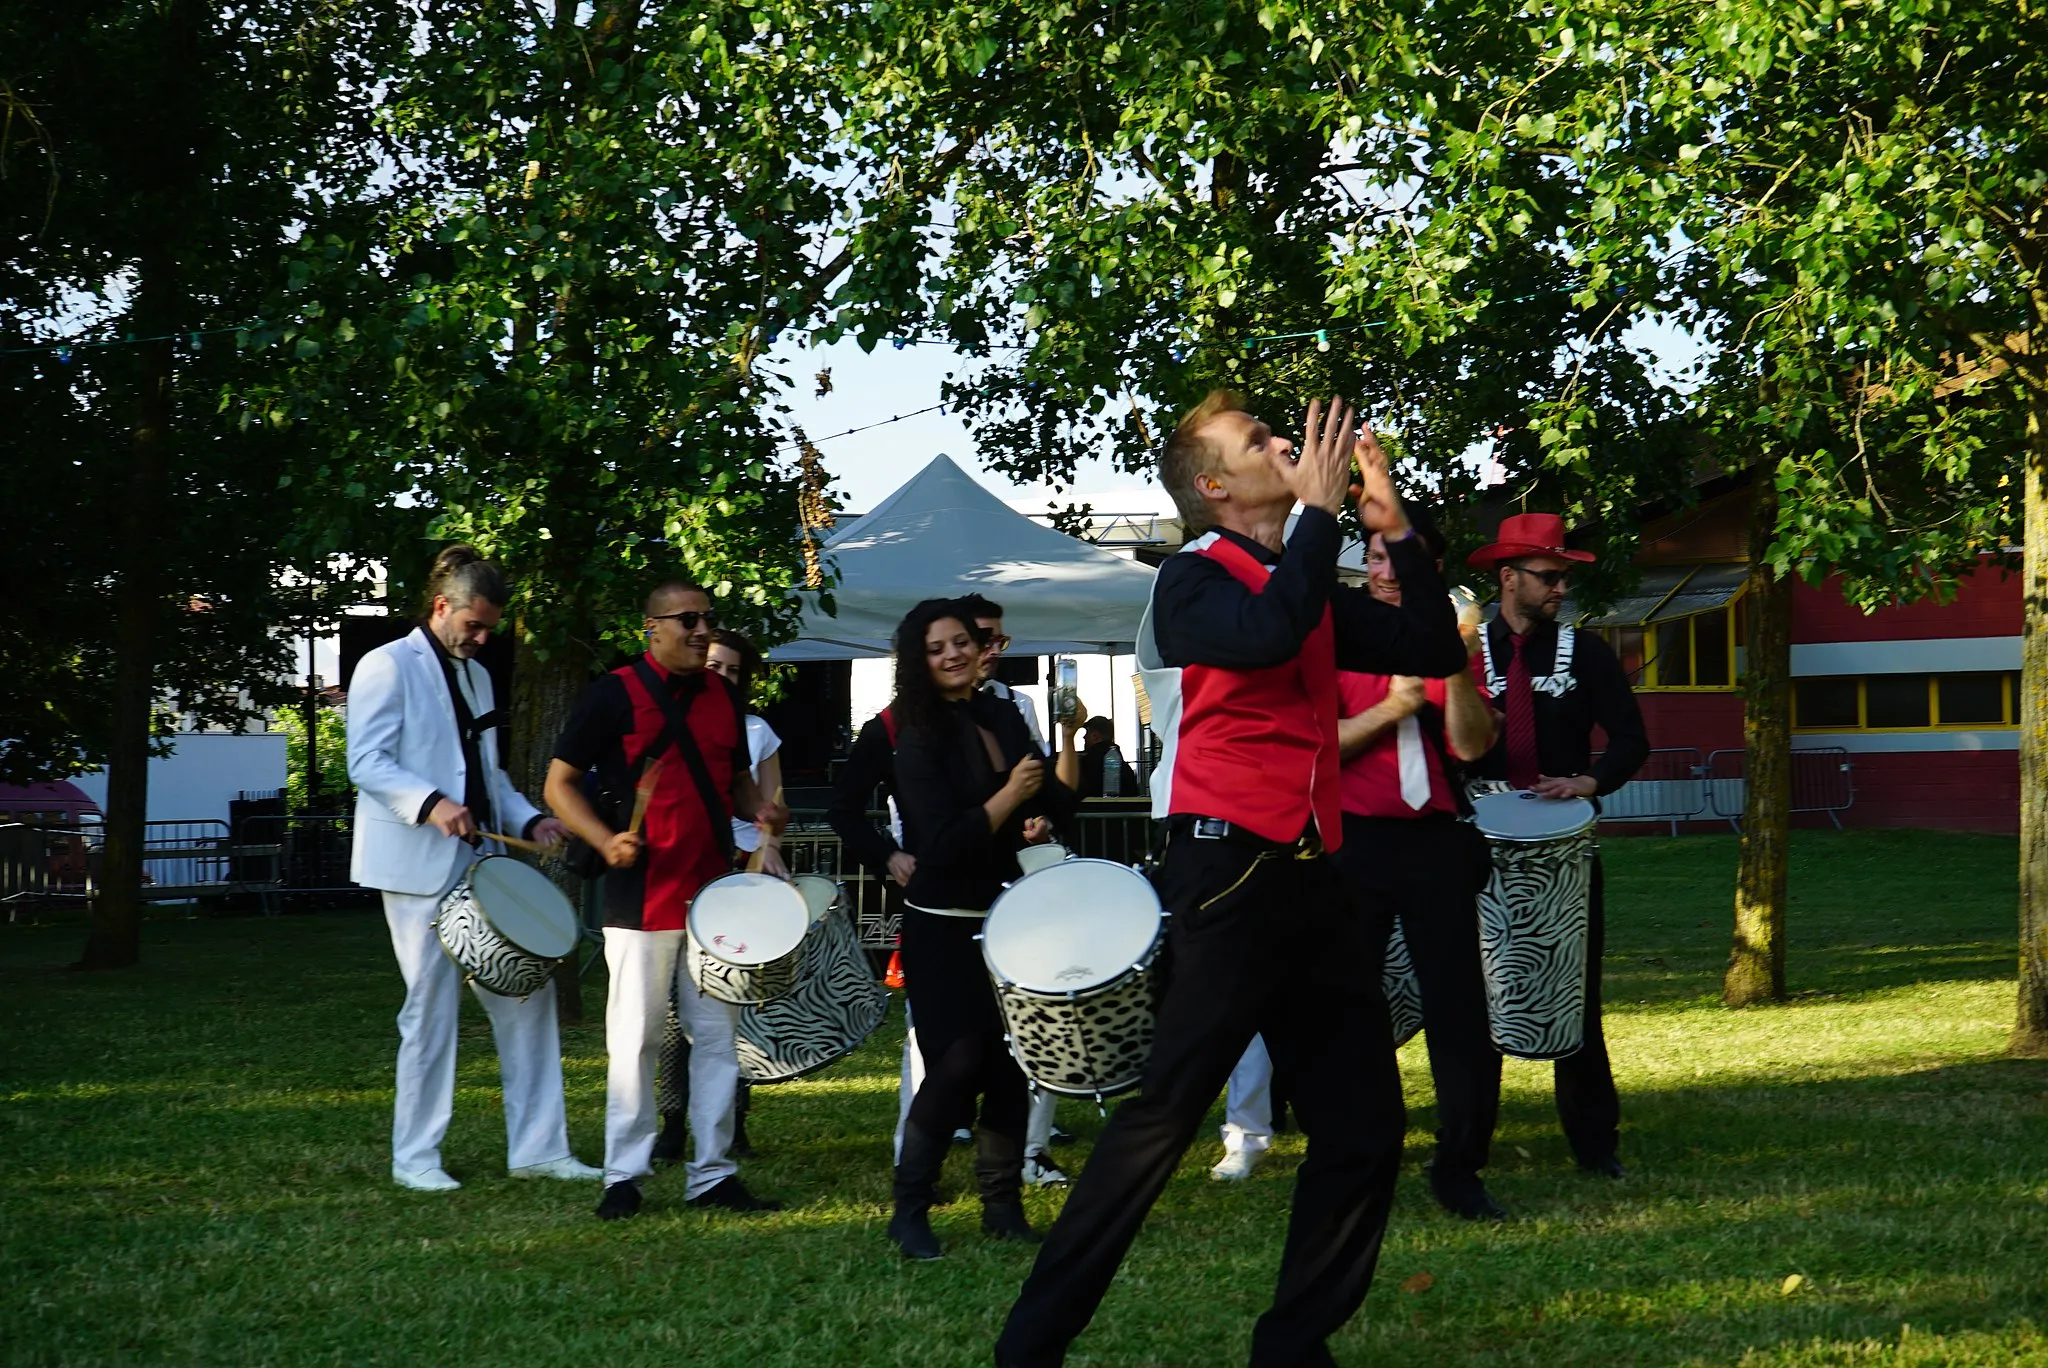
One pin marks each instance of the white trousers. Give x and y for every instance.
(645, 967)
(529, 1051)
(1248, 1105)
(1037, 1126)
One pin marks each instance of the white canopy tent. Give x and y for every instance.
(943, 535)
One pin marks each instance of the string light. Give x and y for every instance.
(193, 338)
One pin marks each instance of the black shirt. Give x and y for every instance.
(469, 730)
(1204, 615)
(869, 767)
(1599, 696)
(1093, 767)
(943, 776)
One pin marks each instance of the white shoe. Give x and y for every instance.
(1039, 1171)
(1237, 1165)
(426, 1180)
(568, 1167)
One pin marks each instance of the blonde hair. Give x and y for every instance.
(1190, 453)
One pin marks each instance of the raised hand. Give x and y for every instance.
(1379, 507)
(1027, 778)
(1320, 473)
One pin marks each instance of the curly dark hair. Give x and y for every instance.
(917, 699)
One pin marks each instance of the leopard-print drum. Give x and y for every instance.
(506, 926)
(1070, 949)
(746, 938)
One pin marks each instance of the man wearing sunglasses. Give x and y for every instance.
(1554, 685)
(664, 709)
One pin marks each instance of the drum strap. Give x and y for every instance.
(678, 734)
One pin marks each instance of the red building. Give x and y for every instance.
(1920, 701)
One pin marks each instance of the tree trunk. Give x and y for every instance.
(542, 693)
(1756, 962)
(2030, 1026)
(115, 938)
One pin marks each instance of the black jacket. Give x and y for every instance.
(869, 767)
(1204, 615)
(943, 777)
(1599, 696)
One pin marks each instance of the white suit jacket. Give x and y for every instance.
(403, 746)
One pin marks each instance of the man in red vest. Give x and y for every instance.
(665, 706)
(1240, 647)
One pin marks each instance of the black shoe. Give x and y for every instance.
(1464, 1197)
(620, 1200)
(1006, 1221)
(911, 1229)
(673, 1142)
(1610, 1167)
(731, 1195)
(1058, 1136)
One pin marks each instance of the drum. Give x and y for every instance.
(1533, 916)
(836, 1005)
(1403, 989)
(1071, 950)
(746, 935)
(1033, 858)
(506, 926)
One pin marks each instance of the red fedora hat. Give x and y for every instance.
(1527, 534)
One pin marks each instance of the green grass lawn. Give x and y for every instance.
(196, 1171)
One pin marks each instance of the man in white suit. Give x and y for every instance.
(423, 755)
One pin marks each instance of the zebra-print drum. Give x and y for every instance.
(837, 1004)
(1532, 921)
(1403, 989)
(746, 938)
(506, 926)
(1071, 949)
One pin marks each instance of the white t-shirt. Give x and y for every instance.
(1024, 705)
(762, 742)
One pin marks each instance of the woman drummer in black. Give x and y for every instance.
(972, 787)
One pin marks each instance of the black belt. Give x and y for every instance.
(1306, 846)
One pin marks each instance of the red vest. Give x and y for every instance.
(682, 852)
(1257, 748)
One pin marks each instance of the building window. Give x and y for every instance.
(1692, 652)
(1905, 702)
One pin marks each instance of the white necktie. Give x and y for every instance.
(1414, 765)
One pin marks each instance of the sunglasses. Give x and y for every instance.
(1551, 578)
(689, 620)
(998, 643)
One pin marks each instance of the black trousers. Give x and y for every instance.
(1587, 1104)
(1259, 942)
(959, 1032)
(1425, 874)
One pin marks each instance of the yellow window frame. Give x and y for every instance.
(2008, 694)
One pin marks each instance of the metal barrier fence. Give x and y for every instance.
(1823, 780)
(279, 857)
(1668, 788)
(46, 864)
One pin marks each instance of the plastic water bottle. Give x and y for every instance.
(1112, 775)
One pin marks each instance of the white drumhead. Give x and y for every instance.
(1033, 858)
(819, 894)
(524, 906)
(1071, 926)
(749, 918)
(1522, 816)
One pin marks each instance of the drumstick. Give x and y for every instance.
(643, 795)
(535, 846)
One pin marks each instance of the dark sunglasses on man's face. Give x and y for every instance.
(1551, 578)
(689, 620)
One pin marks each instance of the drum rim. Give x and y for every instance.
(749, 876)
(1151, 952)
(1524, 795)
(483, 913)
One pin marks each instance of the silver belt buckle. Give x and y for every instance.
(1211, 828)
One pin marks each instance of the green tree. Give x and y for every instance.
(156, 207)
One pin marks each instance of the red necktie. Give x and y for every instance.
(1523, 766)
